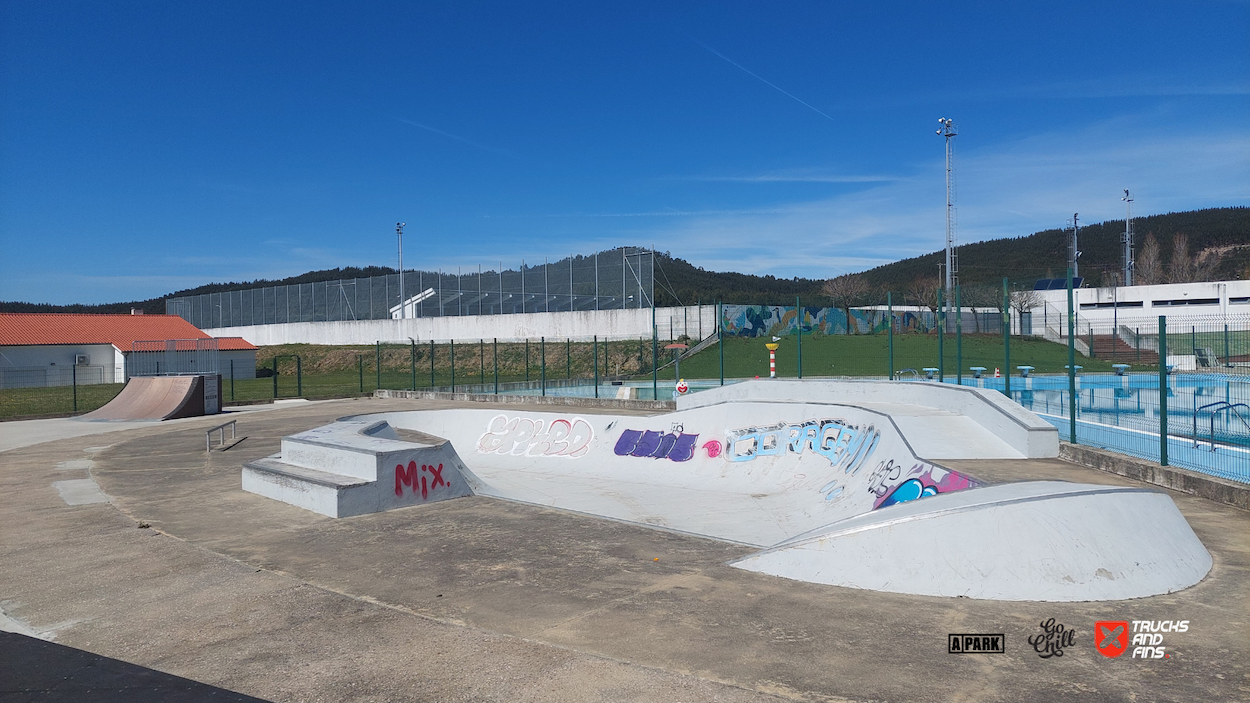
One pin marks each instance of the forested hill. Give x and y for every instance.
(1216, 246)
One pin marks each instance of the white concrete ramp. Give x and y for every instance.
(1037, 540)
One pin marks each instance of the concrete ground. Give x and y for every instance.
(478, 599)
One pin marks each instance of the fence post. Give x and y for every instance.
(275, 377)
(720, 337)
(959, 338)
(596, 363)
(360, 370)
(655, 347)
(299, 377)
(941, 323)
(481, 357)
(1071, 363)
(527, 359)
(232, 380)
(73, 372)
(379, 363)
(1163, 390)
(542, 359)
(414, 376)
(568, 357)
(495, 354)
(1137, 342)
(889, 307)
(451, 348)
(1091, 342)
(1226, 361)
(412, 361)
(798, 318)
(1006, 340)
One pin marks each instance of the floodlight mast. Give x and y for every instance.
(949, 131)
(1127, 238)
(399, 234)
(1073, 252)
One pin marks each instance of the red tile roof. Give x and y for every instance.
(21, 328)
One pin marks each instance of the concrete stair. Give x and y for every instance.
(355, 467)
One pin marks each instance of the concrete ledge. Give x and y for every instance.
(1210, 487)
(667, 405)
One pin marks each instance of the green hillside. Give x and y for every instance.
(1218, 243)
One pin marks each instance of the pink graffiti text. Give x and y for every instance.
(415, 478)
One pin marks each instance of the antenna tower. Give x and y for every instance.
(1073, 252)
(949, 131)
(1127, 238)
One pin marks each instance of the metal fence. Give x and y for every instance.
(172, 357)
(614, 279)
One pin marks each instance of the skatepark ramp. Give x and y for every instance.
(830, 492)
(162, 398)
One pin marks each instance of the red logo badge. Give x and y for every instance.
(1111, 638)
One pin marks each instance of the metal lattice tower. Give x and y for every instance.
(949, 131)
(1127, 238)
(1073, 252)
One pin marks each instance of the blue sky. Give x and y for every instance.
(147, 147)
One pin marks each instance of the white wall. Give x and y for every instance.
(53, 365)
(1105, 306)
(695, 321)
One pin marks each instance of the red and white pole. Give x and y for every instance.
(772, 359)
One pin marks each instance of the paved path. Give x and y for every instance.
(478, 599)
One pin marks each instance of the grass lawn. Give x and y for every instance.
(868, 355)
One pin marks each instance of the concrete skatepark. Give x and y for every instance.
(832, 493)
(486, 599)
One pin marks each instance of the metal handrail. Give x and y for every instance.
(900, 372)
(1222, 406)
(208, 435)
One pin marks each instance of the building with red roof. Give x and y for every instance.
(52, 349)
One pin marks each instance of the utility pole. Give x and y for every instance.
(1127, 238)
(949, 131)
(1073, 252)
(399, 234)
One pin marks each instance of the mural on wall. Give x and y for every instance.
(521, 436)
(782, 320)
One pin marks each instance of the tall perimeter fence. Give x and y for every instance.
(610, 280)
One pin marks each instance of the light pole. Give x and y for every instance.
(399, 234)
(949, 131)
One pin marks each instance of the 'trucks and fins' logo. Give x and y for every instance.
(1111, 637)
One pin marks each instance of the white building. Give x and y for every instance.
(58, 349)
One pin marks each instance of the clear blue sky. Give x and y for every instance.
(147, 147)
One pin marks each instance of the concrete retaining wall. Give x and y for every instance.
(1183, 480)
(694, 321)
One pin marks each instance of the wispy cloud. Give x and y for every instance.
(470, 142)
(786, 178)
(765, 81)
(1018, 188)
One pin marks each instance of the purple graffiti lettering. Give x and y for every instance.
(683, 448)
(666, 443)
(647, 444)
(625, 445)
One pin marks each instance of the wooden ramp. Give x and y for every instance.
(157, 398)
